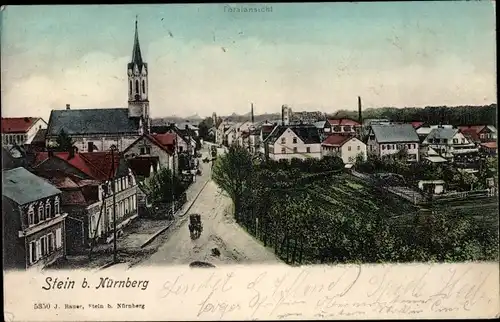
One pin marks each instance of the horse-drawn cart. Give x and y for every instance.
(195, 226)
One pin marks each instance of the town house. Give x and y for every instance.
(20, 130)
(85, 180)
(294, 141)
(33, 224)
(342, 126)
(160, 146)
(449, 142)
(346, 147)
(388, 140)
(481, 133)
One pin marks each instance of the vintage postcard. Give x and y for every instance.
(280, 161)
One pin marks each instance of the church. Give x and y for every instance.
(101, 129)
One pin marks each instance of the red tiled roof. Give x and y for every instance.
(17, 124)
(95, 164)
(336, 140)
(476, 128)
(73, 198)
(490, 145)
(165, 139)
(416, 124)
(470, 132)
(343, 122)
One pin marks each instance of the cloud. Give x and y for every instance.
(188, 77)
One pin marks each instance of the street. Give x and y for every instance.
(235, 245)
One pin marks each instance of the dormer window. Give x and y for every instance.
(48, 209)
(40, 213)
(31, 215)
(56, 206)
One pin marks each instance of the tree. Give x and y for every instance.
(163, 186)
(204, 128)
(63, 142)
(231, 173)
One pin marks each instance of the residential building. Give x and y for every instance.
(161, 146)
(346, 147)
(86, 181)
(367, 123)
(342, 126)
(144, 166)
(425, 129)
(20, 130)
(102, 129)
(195, 131)
(489, 148)
(449, 142)
(484, 133)
(220, 138)
(387, 140)
(33, 223)
(294, 141)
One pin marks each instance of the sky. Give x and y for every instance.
(206, 58)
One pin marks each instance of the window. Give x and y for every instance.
(47, 209)
(45, 248)
(359, 148)
(137, 87)
(32, 252)
(58, 238)
(283, 140)
(38, 249)
(455, 141)
(283, 150)
(144, 87)
(181, 148)
(40, 213)
(142, 151)
(90, 146)
(295, 150)
(463, 140)
(383, 147)
(148, 150)
(130, 88)
(51, 242)
(56, 206)
(294, 140)
(445, 141)
(348, 148)
(308, 150)
(31, 215)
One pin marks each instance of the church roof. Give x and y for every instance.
(92, 121)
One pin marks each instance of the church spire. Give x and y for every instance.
(136, 51)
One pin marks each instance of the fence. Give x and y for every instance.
(164, 210)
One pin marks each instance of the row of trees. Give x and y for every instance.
(309, 215)
(163, 187)
(456, 115)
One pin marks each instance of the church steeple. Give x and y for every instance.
(137, 70)
(136, 51)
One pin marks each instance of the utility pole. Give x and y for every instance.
(115, 257)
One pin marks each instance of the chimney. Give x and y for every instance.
(71, 153)
(67, 106)
(253, 119)
(360, 116)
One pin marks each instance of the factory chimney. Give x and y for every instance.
(360, 116)
(251, 111)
